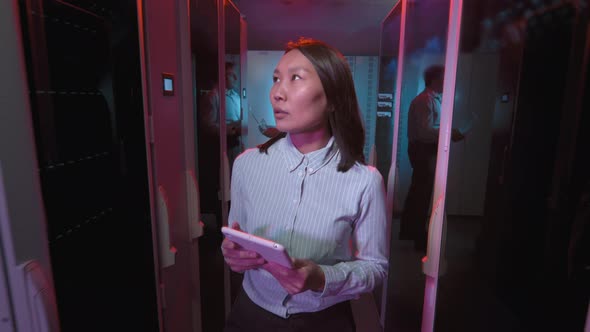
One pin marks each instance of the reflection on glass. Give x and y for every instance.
(423, 129)
(385, 99)
(233, 105)
(417, 121)
(384, 129)
(234, 113)
(204, 45)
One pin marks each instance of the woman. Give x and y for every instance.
(309, 190)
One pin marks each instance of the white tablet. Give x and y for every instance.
(269, 250)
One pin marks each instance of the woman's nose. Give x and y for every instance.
(277, 92)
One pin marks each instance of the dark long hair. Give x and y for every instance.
(344, 114)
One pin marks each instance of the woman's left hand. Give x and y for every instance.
(304, 275)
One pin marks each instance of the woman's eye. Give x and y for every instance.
(275, 79)
(295, 77)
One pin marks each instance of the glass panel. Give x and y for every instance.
(388, 72)
(515, 197)
(419, 115)
(204, 35)
(233, 105)
(386, 117)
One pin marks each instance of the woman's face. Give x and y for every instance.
(297, 96)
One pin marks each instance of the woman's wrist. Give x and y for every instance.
(320, 280)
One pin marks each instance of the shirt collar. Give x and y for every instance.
(434, 94)
(313, 161)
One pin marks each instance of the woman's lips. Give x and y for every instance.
(279, 114)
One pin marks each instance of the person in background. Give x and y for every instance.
(423, 129)
(308, 189)
(233, 112)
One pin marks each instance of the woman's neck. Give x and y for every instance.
(310, 141)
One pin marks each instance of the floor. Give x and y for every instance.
(465, 302)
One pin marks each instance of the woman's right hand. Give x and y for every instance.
(238, 258)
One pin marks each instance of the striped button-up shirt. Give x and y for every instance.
(333, 218)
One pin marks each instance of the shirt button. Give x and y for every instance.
(301, 173)
(309, 170)
(295, 201)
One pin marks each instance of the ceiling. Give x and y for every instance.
(352, 26)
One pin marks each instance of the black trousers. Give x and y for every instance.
(416, 208)
(247, 316)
